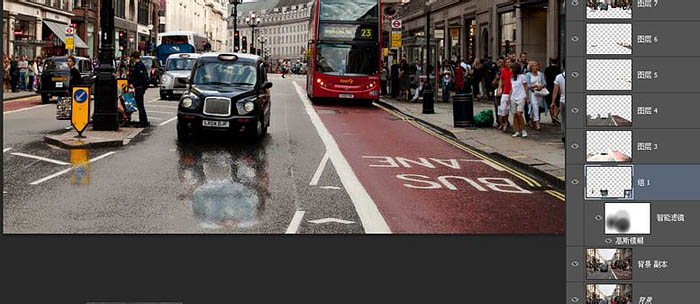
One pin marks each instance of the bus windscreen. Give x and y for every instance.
(347, 59)
(351, 11)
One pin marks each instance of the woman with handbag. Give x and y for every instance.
(538, 90)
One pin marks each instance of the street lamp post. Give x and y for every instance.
(235, 4)
(428, 93)
(106, 116)
(252, 21)
(262, 39)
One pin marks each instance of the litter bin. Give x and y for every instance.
(463, 111)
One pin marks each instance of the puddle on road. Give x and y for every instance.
(227, 186)
(80, 163)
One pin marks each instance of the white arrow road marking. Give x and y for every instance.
(371, 218)
(319, 170)
(68, 170)
(331, 220)
(296, 221)
(58, 162)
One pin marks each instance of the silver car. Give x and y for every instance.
(178, 67)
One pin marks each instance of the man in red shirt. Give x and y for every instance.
(504, 86)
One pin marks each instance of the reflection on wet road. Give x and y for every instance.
(228, 186)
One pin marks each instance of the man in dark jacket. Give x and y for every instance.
(76, 79)
(550, 73)
(14, 75)
(138, 79)
(395, 81)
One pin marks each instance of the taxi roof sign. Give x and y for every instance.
(228, 57)
(184, 55)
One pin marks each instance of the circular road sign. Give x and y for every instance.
(80, 96)
(396, 24)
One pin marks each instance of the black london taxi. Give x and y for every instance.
(226, 92)
(56, 76)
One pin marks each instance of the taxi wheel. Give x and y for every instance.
(163, 96)
(45, 98)
(183, 135)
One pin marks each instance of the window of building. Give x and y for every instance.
(120, 8)
(143, 12)
(508, 27)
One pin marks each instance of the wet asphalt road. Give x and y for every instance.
(339, 167)
(155, 185)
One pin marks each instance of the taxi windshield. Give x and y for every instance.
(178, 64)
(225, 73)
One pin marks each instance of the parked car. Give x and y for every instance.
(226, 93)
(603, 267)
(154, 68)
(55, 77)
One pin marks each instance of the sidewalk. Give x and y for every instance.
(541, 153)
(7, 96)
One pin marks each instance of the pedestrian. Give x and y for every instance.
(405, 79)
(138, 80)
(39, 71)
(383, 79)
(504, 87)
(31, 70)
(518, 99)
(536, 83)
(14, 74)
(523, 61)
(490, 71)
(76, 79)
(446, 77)
(394, 80)
(458, 79)
(550, 73)
(476, 73)
(466, 76)
(23, 66)
(6, 86)
(560, 91)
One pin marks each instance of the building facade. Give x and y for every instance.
(86, 24)
(480, 28)
(37, 27)
(205, 17)
(283, 24)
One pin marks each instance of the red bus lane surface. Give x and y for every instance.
(19, 104)
(422, 184)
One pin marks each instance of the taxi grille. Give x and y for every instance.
(217, 106)
(180, 82)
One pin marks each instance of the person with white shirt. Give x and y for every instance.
(560, 88)
(519, 99)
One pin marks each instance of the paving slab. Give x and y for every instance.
(93, 139)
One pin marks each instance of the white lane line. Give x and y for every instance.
(25, 109)
(6, 149)
(153, 100)
(371, 218)
(155, 118)
(319, 170)
(58, 162)
(67, 170)
(331, 188)
(167, 121)
(157, 106)
(159, 112)
(296, 221)
(331, 220)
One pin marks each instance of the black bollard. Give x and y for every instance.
(106, 115)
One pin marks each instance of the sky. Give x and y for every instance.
(607, 289)
(607, 254)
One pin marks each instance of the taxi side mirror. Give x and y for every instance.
(266, 85)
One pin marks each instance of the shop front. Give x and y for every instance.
(24, 32)
(55, 34)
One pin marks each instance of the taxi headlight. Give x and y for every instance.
(165, 79)
(249, 106)
(186, 102)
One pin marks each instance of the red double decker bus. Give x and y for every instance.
(344, 50)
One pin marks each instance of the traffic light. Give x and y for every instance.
(245, 44)
(236, 41)
(122, 41)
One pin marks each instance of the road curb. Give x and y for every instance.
(5, 99)
(68, 141)
(554, 181)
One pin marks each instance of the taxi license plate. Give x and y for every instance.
(178, 91)
(346, 96)
(59, 84)
(215, 123)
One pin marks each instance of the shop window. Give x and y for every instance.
(508, 41)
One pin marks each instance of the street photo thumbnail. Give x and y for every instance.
(609, 182)
(609, 293)
(609, 264)
(609, 110)
(609, 39)
(627, 218)
(609, 146)
(133, 302)
(609, 9)
(609, 74)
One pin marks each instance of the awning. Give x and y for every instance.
(60, 30)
